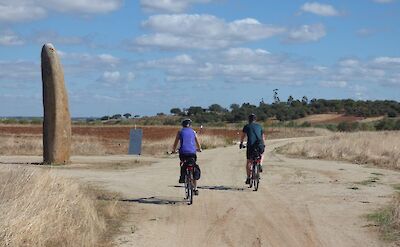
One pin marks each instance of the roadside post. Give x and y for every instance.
(135, 141)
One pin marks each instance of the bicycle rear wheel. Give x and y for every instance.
(256, 176)
(189, 188)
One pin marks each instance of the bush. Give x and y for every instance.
(388, 124)
(305, 124)
(347, 126)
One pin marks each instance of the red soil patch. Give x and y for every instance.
(116, 132)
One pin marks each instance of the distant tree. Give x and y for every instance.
(304, 100)
(290, 100)
(161, 114)
(116, 116)
(136, 116)
(105, 118)
(195, 110)
(392, 113)
(176, 111)
(234, 106)
(216, 108)
(127, 115)
(276, 97)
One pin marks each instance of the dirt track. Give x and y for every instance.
(299, 203)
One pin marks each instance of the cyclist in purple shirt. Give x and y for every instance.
(189, 144)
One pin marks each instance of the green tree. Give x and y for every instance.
(216, 108)
(127, 115)
(176, 111)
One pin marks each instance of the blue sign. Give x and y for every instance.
(135, 141)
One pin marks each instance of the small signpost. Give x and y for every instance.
(135, 141)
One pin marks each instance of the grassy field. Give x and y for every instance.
(106, 140)
(381, 149)
(39, 209)
(378, 148)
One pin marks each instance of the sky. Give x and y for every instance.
(148, 56)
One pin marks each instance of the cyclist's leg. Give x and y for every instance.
(182, 168)
(261, 162)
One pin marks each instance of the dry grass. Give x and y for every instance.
(37, 209)
(388, 220)
(379, 148)
(283, 132)
(165, 145)
(32, 145)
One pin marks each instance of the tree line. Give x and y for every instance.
(289, 110)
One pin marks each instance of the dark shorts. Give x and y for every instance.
(251, 153)
(183, 157)
(186, 157)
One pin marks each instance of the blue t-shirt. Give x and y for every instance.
(187, 137)
(254, 132)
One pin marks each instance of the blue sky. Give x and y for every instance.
(148, 56)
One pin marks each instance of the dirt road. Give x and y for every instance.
(299, 203)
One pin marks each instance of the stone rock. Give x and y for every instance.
(57, 119)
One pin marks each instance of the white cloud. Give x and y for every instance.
(114, 78)
(107, 58)
(387, 60)
(307, 33)
(9, 39)
(364, 32)
(26, 10)
(20, 10)
(169, 6)
(83, 6)
(234, 65)
(54, 37)
(320, 9)
(111, 76)
(184, 31)
(383, 1)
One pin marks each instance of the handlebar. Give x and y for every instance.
(176, 152)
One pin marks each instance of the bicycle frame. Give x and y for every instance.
(255, 172)
(189, 182)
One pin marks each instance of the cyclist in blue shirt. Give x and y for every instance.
(255, 140)
(189, 144)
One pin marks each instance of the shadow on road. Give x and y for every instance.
(215, 187)
(21, 163)
(156, 200)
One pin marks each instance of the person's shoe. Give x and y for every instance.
(181, 180)
(261, 168)
(247, 181)
(196, 192)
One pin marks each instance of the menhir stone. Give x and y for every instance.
(57, 120)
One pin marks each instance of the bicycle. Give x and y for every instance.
(255, 169)
(190, 166)
(189, 181)
(255, 172)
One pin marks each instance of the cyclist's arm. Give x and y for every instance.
(175, 142)
(264, 138)
(242, 137)
(197, 142)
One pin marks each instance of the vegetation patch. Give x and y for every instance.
(39, 209)
(115, 165)
(388, 220)
(369, 181)
(377, 148)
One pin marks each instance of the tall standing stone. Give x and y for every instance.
(57, 120)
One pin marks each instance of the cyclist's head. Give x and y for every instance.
(186, 123)
(252, 118)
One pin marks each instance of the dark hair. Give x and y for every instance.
(252, 118)
(186, 122)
